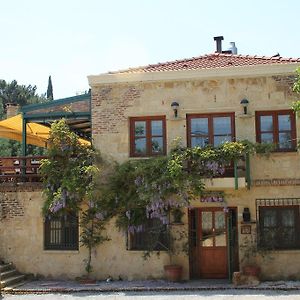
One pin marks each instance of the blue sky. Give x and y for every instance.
(70, 39)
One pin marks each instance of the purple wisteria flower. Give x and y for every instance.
(135, 228)
(56, 206)
(215, 168)
(99, 216)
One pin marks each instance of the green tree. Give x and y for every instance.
(296, 89)
(12, 92)
(50, 90)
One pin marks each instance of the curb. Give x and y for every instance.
(142, 289)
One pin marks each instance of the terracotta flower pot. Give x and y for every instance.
(173, 272)
(252, 270)
(85, 280)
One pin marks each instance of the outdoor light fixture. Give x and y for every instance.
(246, 215)
(175, 106)
(245, 104)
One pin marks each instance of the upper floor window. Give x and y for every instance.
(277, 127)
(210, 129)
(147, 136)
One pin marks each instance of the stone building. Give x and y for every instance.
(203, 100)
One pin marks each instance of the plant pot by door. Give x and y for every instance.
(173, 272)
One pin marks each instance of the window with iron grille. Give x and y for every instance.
(279, 227)
(154, 236)
(61, 232)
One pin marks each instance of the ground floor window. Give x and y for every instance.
(153, 235)
(279, 227)
(61, 232)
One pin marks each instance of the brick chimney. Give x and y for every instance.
(11, 110)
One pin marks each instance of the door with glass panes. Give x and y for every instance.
(209, 243)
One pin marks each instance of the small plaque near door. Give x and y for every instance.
(246, 229)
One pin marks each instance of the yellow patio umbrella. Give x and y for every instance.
(36, 134)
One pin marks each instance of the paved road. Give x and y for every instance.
(199, 295)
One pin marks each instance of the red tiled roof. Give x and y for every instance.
(209, 61)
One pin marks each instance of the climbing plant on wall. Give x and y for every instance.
(296, 89)
(76, 178)
(68, 176)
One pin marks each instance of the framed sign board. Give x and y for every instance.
(246, 229)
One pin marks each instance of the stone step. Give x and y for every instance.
(6, 267)
(15, 285)
(9, 273)
(12, 280)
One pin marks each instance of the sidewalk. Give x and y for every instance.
(55, 286)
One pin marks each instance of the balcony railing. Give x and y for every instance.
(26, 169)
(20, 169)
(236, 175)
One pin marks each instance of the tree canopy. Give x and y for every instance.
(12, 92)
(50, 89)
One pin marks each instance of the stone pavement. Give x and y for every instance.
(59, 286)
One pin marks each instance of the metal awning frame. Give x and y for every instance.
(28, 114)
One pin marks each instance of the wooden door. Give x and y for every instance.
(212, 243)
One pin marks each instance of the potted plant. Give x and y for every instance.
(178, 243)
(252, 257)
(249, 263)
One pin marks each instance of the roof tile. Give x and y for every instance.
(209, 61)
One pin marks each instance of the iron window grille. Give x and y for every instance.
(278, 223)
(153, 237)
(61, 232)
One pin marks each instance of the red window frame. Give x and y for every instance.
(210, 118)
(148, 136)
(275, 131)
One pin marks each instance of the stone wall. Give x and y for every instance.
(114, 104)
(21, 241)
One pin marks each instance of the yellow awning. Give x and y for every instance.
(37, 134)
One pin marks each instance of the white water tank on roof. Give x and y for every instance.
(233, 48)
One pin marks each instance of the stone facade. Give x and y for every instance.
(22, 241)
(114, 100)
(276, 176)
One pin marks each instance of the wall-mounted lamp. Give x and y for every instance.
(175, 106)
(246, 215)
(245, 104)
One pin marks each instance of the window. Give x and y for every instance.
(154, 236)
(278, 127)
(210, 129)
(147, 136)
(279, 227)
(61, 232)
